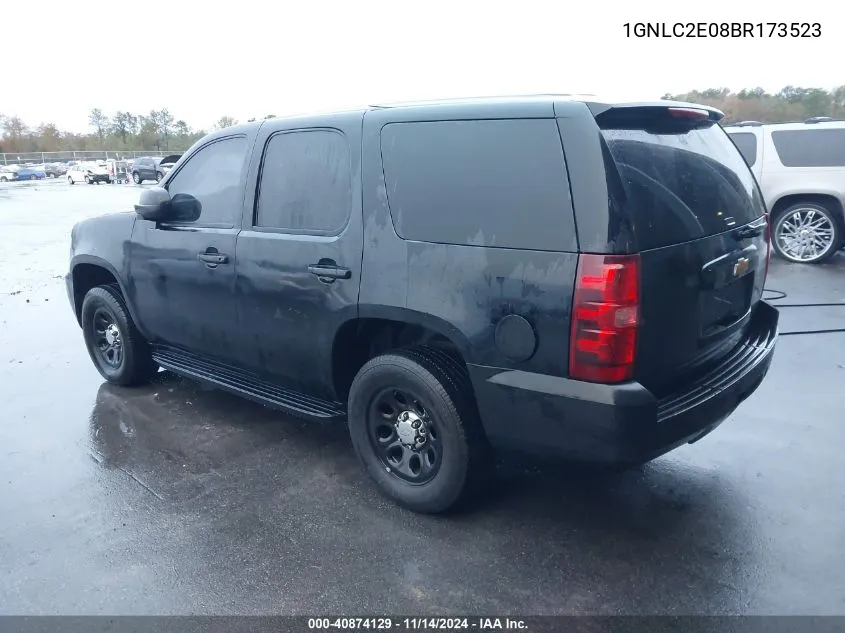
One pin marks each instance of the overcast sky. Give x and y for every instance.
(248, 58)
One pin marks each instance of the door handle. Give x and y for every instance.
(328, 272)
(213, 258)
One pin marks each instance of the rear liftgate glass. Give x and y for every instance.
(685, 299)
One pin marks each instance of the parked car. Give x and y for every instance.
(147, 168)
(52, 170)
(89, 173)
(448, 280)
(167, 163)
(801, 171)
(22, 172)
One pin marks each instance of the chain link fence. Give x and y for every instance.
(21, 158)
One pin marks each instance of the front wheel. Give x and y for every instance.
(136, 178)
(70, 180)
(118, 349)
(159, 176)
(414, 425)
(807, 233)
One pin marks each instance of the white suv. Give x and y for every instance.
(801, 171)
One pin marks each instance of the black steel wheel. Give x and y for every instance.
(404, 435)
(414, 425)
(118, 349)
(107, 338)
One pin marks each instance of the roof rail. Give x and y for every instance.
(819, 119)
(746, 124)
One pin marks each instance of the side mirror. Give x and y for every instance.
(154, 204)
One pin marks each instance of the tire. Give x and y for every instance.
(159, 176)
(4, 179)
(70, 181)
(136, 178)
(454, 460)
(133, 364)
(822, 223)
(87, 180)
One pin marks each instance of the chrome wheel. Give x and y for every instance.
(107, 338)
(404, 436)
(805, 234)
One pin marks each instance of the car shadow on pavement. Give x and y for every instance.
(246, 472)
(176, 429)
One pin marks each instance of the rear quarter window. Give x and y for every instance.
(495, 183)
(810, 148)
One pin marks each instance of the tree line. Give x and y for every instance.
(159, 130)
(755, 104)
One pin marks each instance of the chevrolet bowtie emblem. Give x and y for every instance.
(741, 266)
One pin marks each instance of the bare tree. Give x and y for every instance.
(224, 122)
(99, 122)
(120, 125)
(165, 125)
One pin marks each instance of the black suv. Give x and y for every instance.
(549, 274)
(147, 168)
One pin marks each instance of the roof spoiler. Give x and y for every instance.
(662, 116)
(600, 108)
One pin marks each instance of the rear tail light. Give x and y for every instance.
(605, 316)
(768, 233)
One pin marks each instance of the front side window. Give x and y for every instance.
(211, 181)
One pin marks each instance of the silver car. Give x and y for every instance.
(801, 171)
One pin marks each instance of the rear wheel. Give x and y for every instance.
(118, 349)
(70, 180)
(807, 233)
(136, 178)
(414, 425)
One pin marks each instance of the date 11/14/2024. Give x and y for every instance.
(723, 29)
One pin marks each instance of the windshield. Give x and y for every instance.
(680, 186)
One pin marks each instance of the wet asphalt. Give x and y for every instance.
(172, 499)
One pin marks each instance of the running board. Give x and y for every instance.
(245, 384)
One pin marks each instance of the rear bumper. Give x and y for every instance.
(623, 423)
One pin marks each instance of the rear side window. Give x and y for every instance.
(810, 148)
(499, 183)
(746, 143)
(306, 183)
(677, 186)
